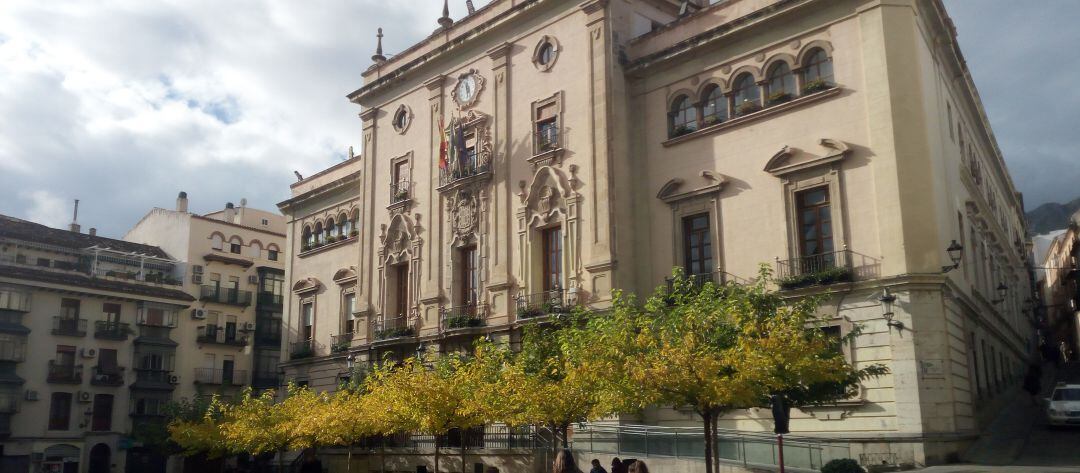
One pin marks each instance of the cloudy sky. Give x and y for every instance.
(123, 103)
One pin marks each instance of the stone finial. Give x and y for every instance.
(378, 58)
(445, 21)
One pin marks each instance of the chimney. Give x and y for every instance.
(181, 202)
(93, 231)
(230, 212)
(75, 220)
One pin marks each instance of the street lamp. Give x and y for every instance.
(956, 252)
(887, 301)
(1002, 290)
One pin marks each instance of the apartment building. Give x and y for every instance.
(1059, 291)
(87, 347)
(235, 271)
(536, 155)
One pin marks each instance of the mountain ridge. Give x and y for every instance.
(1051, 216)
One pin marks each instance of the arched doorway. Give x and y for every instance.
(100, 459)
(61, 458)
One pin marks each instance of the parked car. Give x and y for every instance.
(1063, 405)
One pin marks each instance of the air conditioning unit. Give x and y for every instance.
(174, 379)
(196, 279)
(247, 326)
(196, 269)
(88, 352)
(31, 395)
(198, 314)
(84, 396)
(253, 279)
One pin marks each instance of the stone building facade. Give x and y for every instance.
(596, 145)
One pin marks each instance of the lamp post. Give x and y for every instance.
(956, 252)
(887, 301)
(1002, 290)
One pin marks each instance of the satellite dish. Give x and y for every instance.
(243, 202)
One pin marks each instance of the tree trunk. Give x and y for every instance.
(706, 417)
(348, 459)
(281, 460)
(436, 453)
(565, 435)
(382, 455)
(462, 437)
(715, 438)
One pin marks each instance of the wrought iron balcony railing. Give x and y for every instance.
(476, 165)
(395, 327)
(340, 343)
(225, 295)
(463, 316)
(400, 192)
(64, 373)
(261, 380)
(543, 303)
(106, 330)
(301, 349)
(220, 376)
(69, 327)
(547, 139)
(108, 376)
(819, 269)
(219, 335)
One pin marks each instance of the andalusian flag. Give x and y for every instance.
(443, 145)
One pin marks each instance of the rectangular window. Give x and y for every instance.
(469, 159)
(230, 328)
(107, 361)
(271, 255)
(401, 290)
(65, 355)
(815, 228)
(834, 334)
(697, 245)
(111, 313)
(60, 411)
(552, 253)
(102, 414)
(348, 306)
(470, 277)
(234, 248)
(546, 127)
(44, 262)
(307, 314)
(69, 309)
(155, 317)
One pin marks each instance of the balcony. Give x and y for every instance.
(106, 330)
(69, 327)
(154, 378)
(698, 280)
(301, 349)
(815, 270)
(219, 335)
(223, 295)
(108, 377)
(547, 145)
(63, 373)
(220, 377)
(14, 299)
(463, 317)
(265, 380)
(400, 192)
(340, 343)
(541, 304)
(270, 299)
(475, 167)
(397, 327)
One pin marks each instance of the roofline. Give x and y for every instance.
(260, 230)
(329, 186)
(324, 171)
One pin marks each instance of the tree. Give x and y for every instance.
(196, 427)
(715, 348)
(350, 415)
(259, 424)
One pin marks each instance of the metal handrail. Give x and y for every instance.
(232, 377)
(542, 303)
(399, 192)
(395, 327)
(463, 316)
(69, 326)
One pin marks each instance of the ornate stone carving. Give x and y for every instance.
(464, 215)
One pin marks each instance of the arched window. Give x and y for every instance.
(345, 226)
(320, 236)
(216, 241)
(747, 94)
(355, 220)
(308, 239)
(817, 71)
(713, 106)
(331, 229)
(683, 117)
(781, 83)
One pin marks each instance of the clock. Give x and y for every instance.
(468, 88)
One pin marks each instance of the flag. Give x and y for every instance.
(451, 150)
(443, 134)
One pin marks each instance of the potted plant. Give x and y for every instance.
(401, 195)
(331, 239)
(816, 85)
(354, 233)
(748, 107)
(305, 247)
(680, 130)
(780, 97)
(711, 120)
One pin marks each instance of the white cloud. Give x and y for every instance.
(48, 209)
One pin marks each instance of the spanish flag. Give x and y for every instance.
(443, 145)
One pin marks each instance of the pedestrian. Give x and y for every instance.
(617, 466)
(1064, 349)
(639, 467)
(596, 468)
(1033, 382)
(564, 462)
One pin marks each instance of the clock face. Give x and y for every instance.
(468, 88)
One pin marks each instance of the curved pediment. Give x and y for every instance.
(676, 190)
(345, 275)
(306, 285)
(789, 160)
